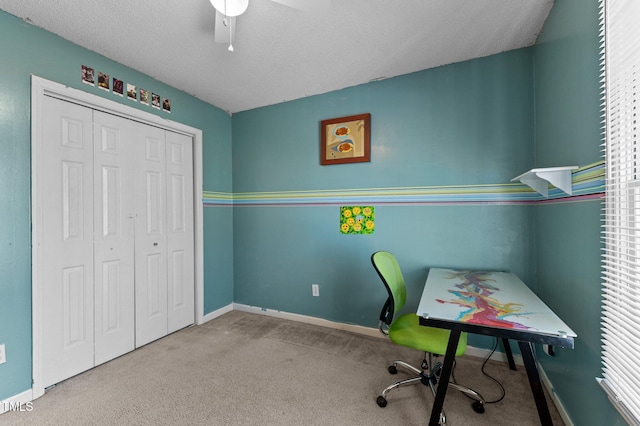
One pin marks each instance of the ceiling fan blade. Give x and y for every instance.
(230, 7)
(306, 5)
(225, 28)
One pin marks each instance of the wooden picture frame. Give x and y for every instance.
(345, 140)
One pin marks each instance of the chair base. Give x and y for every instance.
(428, 377)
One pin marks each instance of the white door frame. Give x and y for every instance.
(40, 88)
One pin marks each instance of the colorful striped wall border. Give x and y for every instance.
(587, 182)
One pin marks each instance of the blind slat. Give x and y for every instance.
(620, 322)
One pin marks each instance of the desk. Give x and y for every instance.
(494, 304)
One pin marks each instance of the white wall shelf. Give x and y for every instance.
(539, 179)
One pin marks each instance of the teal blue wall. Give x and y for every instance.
(567, 235)
(478, 122)
(473, 123)
(463, 124)
(27, 50)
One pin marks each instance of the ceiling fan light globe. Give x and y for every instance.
(230, 7)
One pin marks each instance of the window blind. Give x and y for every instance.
(621, 234)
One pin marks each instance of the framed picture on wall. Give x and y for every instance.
(345, 140)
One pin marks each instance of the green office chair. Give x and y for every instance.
(407, 331)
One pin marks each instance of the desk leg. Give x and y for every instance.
(447, 367)
(526, 349)
(507, 351)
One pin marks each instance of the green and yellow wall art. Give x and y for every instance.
(357, 219)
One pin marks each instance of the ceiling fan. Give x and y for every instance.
(228, 10)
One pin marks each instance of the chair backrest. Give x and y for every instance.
(387, 267)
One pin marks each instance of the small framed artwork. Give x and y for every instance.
(132, 92)
(155, 101)
(166, 105)
(345, 140)
(144, 96)
(118, 87)
(357, 220)
(87, 75)
(103, 81)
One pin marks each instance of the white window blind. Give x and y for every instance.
(620, 25)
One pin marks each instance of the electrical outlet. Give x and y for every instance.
(315, 289)
(3, 354)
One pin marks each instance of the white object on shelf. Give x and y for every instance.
(539, 179)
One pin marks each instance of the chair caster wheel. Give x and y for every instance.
(382, 402)
(478, 407)
(393, 369)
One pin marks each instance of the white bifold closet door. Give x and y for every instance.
(67, 247)
(114, 232)
(118, 245)
(180, 232)
(164, 234)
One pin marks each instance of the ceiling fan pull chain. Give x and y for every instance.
(230, 49)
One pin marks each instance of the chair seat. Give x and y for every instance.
(407, 331)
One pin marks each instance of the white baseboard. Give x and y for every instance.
(368, 331)
(215, 314)
(554, 396)
(21, 401)
(496, 356)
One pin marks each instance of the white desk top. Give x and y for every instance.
(488, 299)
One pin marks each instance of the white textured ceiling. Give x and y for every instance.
(282, 53)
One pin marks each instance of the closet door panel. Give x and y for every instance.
(180, 237)
(67, 240)
(150, 235)
(114, 209)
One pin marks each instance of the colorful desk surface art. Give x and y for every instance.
(490, 299)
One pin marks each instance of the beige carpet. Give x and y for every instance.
(249, 369)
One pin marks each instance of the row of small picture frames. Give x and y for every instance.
(133, 93)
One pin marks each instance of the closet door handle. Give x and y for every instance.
(155, 244)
